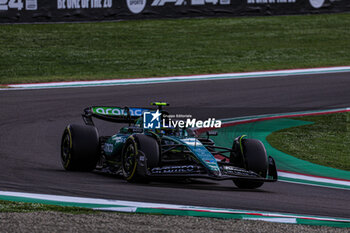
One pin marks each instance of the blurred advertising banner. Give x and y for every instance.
(26, 11)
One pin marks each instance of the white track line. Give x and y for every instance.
(114, 82)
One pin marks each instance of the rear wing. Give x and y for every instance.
(113, 114)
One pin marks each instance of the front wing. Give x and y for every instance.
(227, 172)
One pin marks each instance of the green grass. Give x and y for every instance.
(326, 142)
(11, 206)
(127, 49)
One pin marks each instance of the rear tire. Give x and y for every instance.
(255, 158)
(79, 148)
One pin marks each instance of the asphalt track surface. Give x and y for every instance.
(32, 121)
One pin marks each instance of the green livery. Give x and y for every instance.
(138, 153)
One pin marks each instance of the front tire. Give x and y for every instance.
(129, 160)
(134, 147)
(255, 159)
(79, 148)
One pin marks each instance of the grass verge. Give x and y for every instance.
(326, 142)
(150, 48)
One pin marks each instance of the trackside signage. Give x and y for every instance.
(83, 4)
(26, 11)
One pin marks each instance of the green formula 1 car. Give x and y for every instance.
(141, 154)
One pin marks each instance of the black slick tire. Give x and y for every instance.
(255, 159)
(79, 148)
(135, 146)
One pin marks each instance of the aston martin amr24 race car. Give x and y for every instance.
(140, 154)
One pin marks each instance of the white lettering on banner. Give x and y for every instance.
(162, 2)
(270, 1)
(31, 5)
(107, 4)
(3, 5)
(85, 4)
(16, 4)
(202, 2)
(193, 2)
(316, 3)
(12, 4)
(136, 6)
(225, 2)
(73, 4)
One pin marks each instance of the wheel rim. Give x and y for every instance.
(65, 150)
(129, 160)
